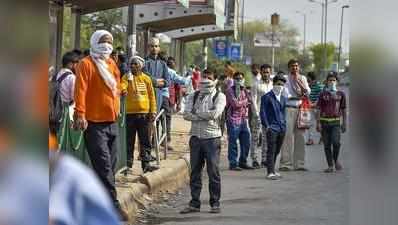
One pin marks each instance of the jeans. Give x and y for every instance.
(238, 132)
(205, 151)
(138, 123)
(101, 142)
(274, 143)
(331, 141)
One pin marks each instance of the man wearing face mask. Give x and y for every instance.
(204, 109)
(238, 102)
(260, 88)
(332, 120)
(273, 119)
(293, 149)
(97, 99)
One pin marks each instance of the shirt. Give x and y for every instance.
(93, 98)
(157, 69)
(237, 108)
(174, 88)
(195, 79)
(140, 94)
(205, 121)
(67, 86)
(259, 89)
(316, 89)
(273, 112)
(289, 91)
(331, 105)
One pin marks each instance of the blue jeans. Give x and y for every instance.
(238, 132)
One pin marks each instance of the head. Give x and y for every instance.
(278, 84)
(79, 53)
(311, 77)
(209, 74)
(265, 71)
(229, 69)
(70, 61)
(280, 72)
(255, 68)
(115, 56)
(294, 66)
(154, 46)
(136, 64)
(332, 80)
(86, 52)
(101, 44)
(171, 62)
(239, 79)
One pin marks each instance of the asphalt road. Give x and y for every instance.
(299, 198)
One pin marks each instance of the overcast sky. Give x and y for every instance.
(262, 9)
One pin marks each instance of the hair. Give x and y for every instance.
(280, 72)
(265, 66)
(292, 61)
(332, 74)
(237, 74)
(279, 77)
(69, 57)
(86, 52)
(170, 58)
(312, 75)
(77, 51)
(255, 66)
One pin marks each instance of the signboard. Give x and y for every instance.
(235, 52)
(265, 40)
(221, 48)
(248, 60)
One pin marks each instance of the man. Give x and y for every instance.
(293, 149)
(66, 78)
(316, 88)
(332, 120)
(238, 101)
(204, 109)
(176, 82)
(196, 77)
(273, 119)
(157, 69)
(97, 107)
(260, 88)
(140, 112)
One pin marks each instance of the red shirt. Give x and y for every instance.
(331, 105)
(195, 79)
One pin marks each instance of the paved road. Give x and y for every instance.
(300, 198)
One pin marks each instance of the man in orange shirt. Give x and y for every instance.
(97, 99)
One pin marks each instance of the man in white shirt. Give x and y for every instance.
(293, 149)
(260, 88)
(66, 76)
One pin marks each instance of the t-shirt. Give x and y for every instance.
(331, 104)
(315, 91)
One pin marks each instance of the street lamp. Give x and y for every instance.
(305, 28)
(341, 36)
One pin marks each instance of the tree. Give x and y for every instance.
(318, 55)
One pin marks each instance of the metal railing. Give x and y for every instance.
(160, 134)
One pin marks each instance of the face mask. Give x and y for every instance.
(207, 86)
(240, 82)
(104, 48)
(277, 89)
(333, 86)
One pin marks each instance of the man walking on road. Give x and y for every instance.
(97, 98)
(273, 119)
(332, 108)
(238, 102)
(293, 149)
(316, 88)
(203, 109)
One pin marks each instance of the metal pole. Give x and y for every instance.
(341, 38)
(131, 32)
(323, 24)
(325, 43)
(242, 20)
(204, 52)
(305, 33)
(76, 27)
(273, 47)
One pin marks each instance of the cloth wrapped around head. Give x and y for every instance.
(100, 50)
(137, 59)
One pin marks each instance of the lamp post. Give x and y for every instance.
(304, 29)
(341, 37)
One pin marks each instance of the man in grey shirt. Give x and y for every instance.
(204, 108)
(293, 149)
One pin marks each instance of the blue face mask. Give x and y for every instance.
(332, 86)
(240, 82)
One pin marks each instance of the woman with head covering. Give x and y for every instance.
(97, 109)
(141, 111)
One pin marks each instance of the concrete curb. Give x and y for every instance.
(172, 175)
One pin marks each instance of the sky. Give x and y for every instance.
(262, 9)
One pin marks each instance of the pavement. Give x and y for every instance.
(299, 198)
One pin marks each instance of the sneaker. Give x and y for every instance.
(278, 175)
(235, 168)
(329, 170)
(190, 209)
(271, 176)
(215, 209)
(256, 165)
(338, 166)
(246, 167)
(310, 142)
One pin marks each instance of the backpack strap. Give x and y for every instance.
(63, 76)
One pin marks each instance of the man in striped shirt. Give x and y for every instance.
(316, 88)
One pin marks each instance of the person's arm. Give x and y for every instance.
(318, 113)
(82, 73)
(235, 102)
(304, 85)
(219, 105)
(254, 95)
(166, 75)
(179, 79)
(188, 115)
(263, 113)
(343, 106)
(124, 84)
(151, 97)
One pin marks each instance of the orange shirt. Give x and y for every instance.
(93, 98)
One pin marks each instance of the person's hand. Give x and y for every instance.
(123, 93)
(160, 83)
(318, 127)
(80, 123)
(151, 117)
(343, 128)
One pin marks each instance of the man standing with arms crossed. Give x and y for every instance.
(293, 149)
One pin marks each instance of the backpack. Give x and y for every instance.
(195, 97)
(55, 103)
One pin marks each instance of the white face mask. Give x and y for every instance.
(104, 49)
(333, 86)
(207, 86)
(277, 89)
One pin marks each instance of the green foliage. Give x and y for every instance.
(318, 55)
